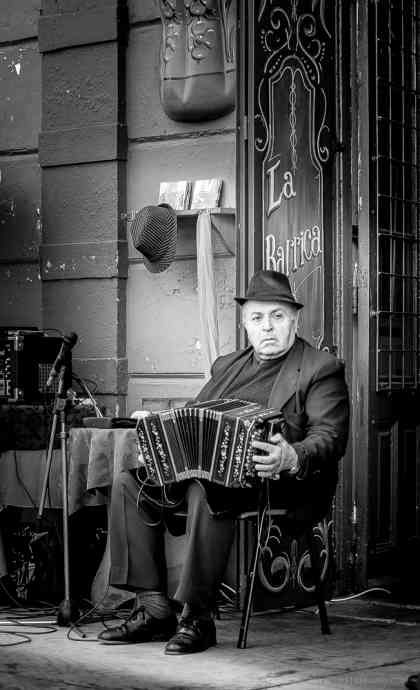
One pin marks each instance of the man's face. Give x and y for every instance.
(271, 327)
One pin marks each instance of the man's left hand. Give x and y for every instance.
(277, 456)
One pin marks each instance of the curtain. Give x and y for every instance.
(207, 300)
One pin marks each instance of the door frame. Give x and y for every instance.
(249, 259)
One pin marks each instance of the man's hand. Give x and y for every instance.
(278, 456)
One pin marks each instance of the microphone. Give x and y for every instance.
(69, 341)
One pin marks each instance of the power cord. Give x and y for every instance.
(89, 617)
(357, 595)
(10, 624)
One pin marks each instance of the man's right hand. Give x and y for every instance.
(278, 456)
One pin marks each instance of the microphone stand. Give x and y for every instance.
(68, 611)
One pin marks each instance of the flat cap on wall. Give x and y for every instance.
(154, 234)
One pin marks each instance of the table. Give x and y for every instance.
(94, 456)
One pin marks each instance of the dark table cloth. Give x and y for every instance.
(94, 455)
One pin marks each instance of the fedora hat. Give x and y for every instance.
(154, 231)
(269, 286)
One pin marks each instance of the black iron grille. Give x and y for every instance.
(395, 66)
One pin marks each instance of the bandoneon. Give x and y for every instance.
(210, 440)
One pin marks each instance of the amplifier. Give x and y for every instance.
(26, 358)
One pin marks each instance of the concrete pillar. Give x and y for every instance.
(82, 153)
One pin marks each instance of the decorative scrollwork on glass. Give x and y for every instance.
(292, 121)
(293, 40)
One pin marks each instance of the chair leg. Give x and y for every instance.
(319, 583)
(249, 596)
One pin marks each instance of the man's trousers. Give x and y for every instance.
(138, 545)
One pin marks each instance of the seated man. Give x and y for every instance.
(278, 370)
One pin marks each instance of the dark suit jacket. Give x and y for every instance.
(311, 391)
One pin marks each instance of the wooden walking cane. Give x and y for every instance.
(246, 613)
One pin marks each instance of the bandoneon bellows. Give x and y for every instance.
(210, 440)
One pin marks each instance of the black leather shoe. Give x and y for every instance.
(192, 635)
(413, 682)
(140, 627)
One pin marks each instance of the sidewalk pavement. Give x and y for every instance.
(372, 647)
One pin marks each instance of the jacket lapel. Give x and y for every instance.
(227, 378)
(286, 381)
(284, 385)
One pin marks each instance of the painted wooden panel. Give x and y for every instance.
(20, 227)
(384, 482)
(18, 19)
(20, 111)
(417, 461)
(163, 325)
(410, 481)
(145, 115)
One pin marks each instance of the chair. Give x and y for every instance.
(261, 515)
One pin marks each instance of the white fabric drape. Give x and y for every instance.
(207, 299)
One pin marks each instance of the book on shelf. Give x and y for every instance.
(176, 194)
(206, 193)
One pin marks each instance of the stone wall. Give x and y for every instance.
(165, 361)
(85, 138)
(20, 191)
(82, 151)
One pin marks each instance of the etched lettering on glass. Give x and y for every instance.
(292, 136)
